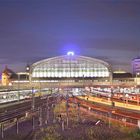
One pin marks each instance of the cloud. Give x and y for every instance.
(33, 30)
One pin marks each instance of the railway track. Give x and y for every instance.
(19, 110)
(115, 113)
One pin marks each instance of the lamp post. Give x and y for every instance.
(118, 92)
(126, 96)
(123, 96)
(33, 99)
(137, 75)
(78, 109)
(67, 106)
(27, 72)
(83, 81)
(18, 86)
(109, 117)
(136, 89)
(112, 94)
(137, 94)
(48, 109)
(40, 94)
(137, 97)
(112, 104)
(33, 108)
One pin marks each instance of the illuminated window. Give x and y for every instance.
(67, 66)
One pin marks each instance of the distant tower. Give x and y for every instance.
(136, 66)
(27, 68)
(6, 76)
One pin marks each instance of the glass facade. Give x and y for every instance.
(70, 66)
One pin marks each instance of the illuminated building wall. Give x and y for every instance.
(5, 79)
(70, 66)
(6, 76)
(136, 66)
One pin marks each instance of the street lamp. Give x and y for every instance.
(123, 96)
(118, 92)
(78, 109)
(27, 72)
(83, 81)
(112, 94)
(27, 68)
(33, 108)
(126, 99)
(18, 86)
(33, 99)
(67, 106)
(137, 94)
(137, 75)
(137, 97)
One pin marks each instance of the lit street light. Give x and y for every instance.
(67, 106)
(33, 108)
(126, 96)
(137, 94)
(137, 76)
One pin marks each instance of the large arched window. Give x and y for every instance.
(70, 66)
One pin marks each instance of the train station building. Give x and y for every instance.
(67, 70)
(71, 67)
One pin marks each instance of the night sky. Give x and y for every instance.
(31, 30)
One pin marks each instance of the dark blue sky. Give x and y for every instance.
(31, 30)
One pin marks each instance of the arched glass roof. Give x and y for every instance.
(70, 66)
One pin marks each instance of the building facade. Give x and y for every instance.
(136, 66)
(7, 76)
(70, 67)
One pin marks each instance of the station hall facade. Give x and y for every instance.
(70, 67)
